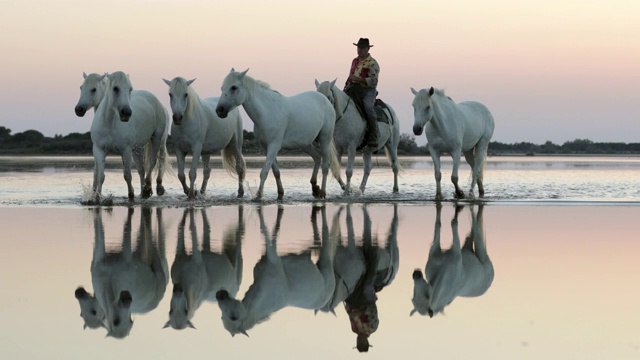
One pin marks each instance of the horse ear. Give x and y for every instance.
(84, 327)
(412, 312)
(167, 324)
(431, 91)
(191, 325)
(317, 83)
(244, 333)
(191, 81)
(242, 74)
(232, 69)
(414, 91)
(167, 81)
(84, 75)
(333, 83)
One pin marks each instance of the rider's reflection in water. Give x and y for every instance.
(377, 267)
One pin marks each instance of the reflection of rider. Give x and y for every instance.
(362, 81)
(361, 303)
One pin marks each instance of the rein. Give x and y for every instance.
(345, 109)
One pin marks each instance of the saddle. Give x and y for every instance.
(355, 93)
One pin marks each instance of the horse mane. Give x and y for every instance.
(339, 103)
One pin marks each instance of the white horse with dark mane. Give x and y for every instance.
(454, 128)
(125, 282)
(281, 281)
(197, 277)
(350, 129)
(296, 122)
(135, 125)
(196, 129)
(460, 271)
(91, 93)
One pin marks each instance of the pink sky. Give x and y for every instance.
(548, 70)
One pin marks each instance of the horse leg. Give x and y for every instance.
(276, 174)
(150, 161)
(193, 170)
(366, 156)
(180, 158)
(345, 186)
(162, 158)
(126, 162)
(206, 172)
(393, 155)
(470, 158)
(454, 173)
(99, 156)
(272, 151)
(326, 162)
(240, 168)
(316, 156)
(138, 161)
(481, 157)
(435, 156)
(325, 261)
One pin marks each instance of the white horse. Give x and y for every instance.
(128, 121)
(463, 128)
(296, 122)
(125, 282)
(91, 92)
(196, 129)
(350, 129)
(465, 271)
(197, 277)
(350, 263)
(281, 281)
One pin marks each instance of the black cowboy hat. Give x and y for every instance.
(362, 43)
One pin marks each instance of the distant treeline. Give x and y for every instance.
(33, 142)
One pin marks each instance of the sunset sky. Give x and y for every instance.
(548, 70)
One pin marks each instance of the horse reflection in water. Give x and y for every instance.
(350, 264)
(125, 282)
(280, 281)
(465, 271)
(361, 272)
(197, 277)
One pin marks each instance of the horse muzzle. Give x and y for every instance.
(222, 112)
(177, 119)
(417, 275)
(81, 293)
(125, 114)
(80, 110)
(222, 295)
(417, 130)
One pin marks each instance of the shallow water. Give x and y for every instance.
(65, 181)
(565, 267)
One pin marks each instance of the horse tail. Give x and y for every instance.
(229, 161)
(334, 163)
(163, 163)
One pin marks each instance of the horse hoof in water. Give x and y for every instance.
(160, 190)
(146, 192)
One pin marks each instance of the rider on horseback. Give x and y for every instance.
(362, 81)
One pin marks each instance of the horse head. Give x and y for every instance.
(422, 291)
(235, 316)
(91, 92)
(233, 93)
(326, 89)
(119, 322)
(422, 109)
(179, 314)
(178, 97)
(90, 310)
(120, 91)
